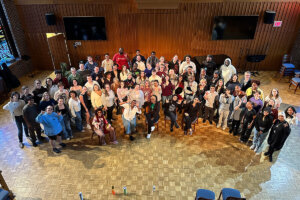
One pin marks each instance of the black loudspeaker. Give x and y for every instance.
(269, 17)
(255, 58)
(50, 19)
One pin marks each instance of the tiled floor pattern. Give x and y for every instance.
(176, 164)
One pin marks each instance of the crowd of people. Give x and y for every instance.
(87, 97)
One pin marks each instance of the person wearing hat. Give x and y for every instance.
(262, 125)
(209, 65)
(30, 112)
(59, 78)
(254, 87)
(278, 135)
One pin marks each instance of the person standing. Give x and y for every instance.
(278, 135)
(74, 76)
(107, 63)
(247, 122)
(38, 91)
(30, 112)
(129, 117)
(82, 72)
(121, 59)
(209, 65)
(227, 70)
(52, 127)
(75, 108)
(212, 100)
(262, 124)
(225, 102)
(15, 107)
(152, 60)
(108, 100)
(170, 108)
(246, 81)
(60, 78)
(90, 64)
(187, 63)
(138, 53)
(64, 110)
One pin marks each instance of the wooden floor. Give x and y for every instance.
(176, 164)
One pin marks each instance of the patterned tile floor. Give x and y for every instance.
(176, 164)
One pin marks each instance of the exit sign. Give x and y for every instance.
(277, 24)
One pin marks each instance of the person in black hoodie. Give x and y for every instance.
(209, 65)
(246, 81)
(170, 108)
(262, 124)
(152, 114)
(278, 135)
(191, 110)
(38, 92)
(247, 121)
(214, 79)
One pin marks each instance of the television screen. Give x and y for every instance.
(85, 28)
(234, 27)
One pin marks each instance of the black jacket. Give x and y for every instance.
(263, 125)
(278, 134)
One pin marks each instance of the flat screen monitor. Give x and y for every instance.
(85, 28)
(234, 27)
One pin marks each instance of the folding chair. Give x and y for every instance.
(205, 195)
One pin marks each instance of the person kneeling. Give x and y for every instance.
(102, 127)
(129, 117)
(52, 127)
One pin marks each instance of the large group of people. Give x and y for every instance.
(88, 96)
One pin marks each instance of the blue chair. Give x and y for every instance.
(4, 195)
(287, 69)
(230, 194)
(205, 194)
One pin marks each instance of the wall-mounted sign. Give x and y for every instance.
(277, 24)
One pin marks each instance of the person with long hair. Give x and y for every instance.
(96, 97)
(170, 110)
(190, 89)
(46, 101)
(274, 110)
(212, 101)
(38, 91)
(137, 95)
(167, 89)
(274, 94)
(156, 90)
(102, 127)
(202, 88)
(232, 83)
(148, 70)
(174, 64)
(152, 114)
(108, 99)
(77, 88)
(173, 77)
(124, 73)
(85, 106)
(220, 88)
(278, 135)
(141, 79)
(291, 116)
(64, 110)
(179, 88)
(247, 122)
(147, 92)
(52, 127)
(225, 102)
(122, 92)
(191, 110)
(75, 108)
(257, 102)
(15, 107)
(114, 87)
(51, 87)
(130, 82)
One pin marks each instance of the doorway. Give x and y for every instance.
(58, 49)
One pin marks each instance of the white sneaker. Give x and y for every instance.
(224, 128)
(148, 136)
(83, 131)
(218, 126)
(252, 147)
(88, 127)
(68, 138)
(256, 149)
(191, 131)
(152, 128)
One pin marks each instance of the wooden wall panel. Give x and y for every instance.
(186, 30)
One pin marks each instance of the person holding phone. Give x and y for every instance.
(15, 107)
(52, 127)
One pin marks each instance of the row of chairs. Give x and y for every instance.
(289, 69)
(226, 194)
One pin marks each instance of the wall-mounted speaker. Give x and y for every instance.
(269, 17)
(50, 19)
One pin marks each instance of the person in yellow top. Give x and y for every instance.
(254, 87)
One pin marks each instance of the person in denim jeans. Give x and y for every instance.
(15, 107)
(65, 112)
(262, 124)
(75, 108)
(129, 117)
